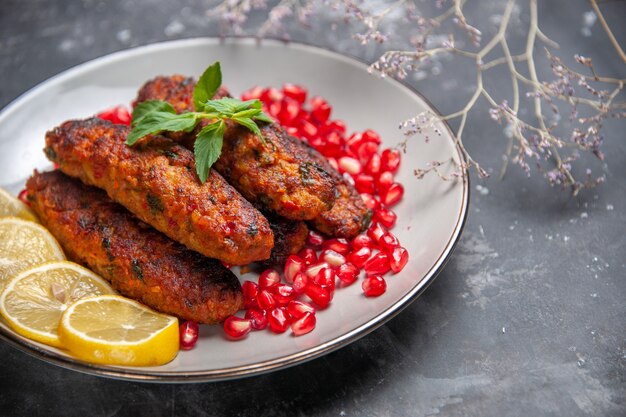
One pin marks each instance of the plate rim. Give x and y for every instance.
(283, 362)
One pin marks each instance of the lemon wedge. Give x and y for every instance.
(111, 329)
(24, 244)
(11, 206)
(34, 300)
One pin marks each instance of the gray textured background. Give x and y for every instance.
(527, 319)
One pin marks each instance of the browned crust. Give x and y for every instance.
(349, 216)
(156, 181)
(289, 238)
(279, 176)
(138, 261)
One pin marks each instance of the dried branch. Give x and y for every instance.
(589, 99)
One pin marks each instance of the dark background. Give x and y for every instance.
(527, 319)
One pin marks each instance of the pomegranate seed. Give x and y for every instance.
(258, 318)
(360, 256)
(293, 131)
(377, 264)
(376, 231)
(289, 110)
(236, 327)
(274, 109)
(371, 136)
(399, 258)
(373, 165)
(308, 255)
(270, 95)
(384, 181)
(364, 183)
(265, 300)
(385, 217)
(313, 270)
(366, 150)
(348, 273)
(251, 94)
(374, 286)
(388, 243)
(293, 265)
(303, 325)
(393, 194)
(269, 279)
(333, 163)
(370, 201)
(250, 291)
(390, 160)
(325, 278)
(117, 115)
(363, 240)
(350, 165)
(283, 294)
(339, 245)
(295, 92)
(300, 282)
(334, 142)
(320, 110)
(354, 141)
(332, 258)
(188, 334)
(314, 239)
(297, 309)
(23, 197)
(336, 126)
(278, 320)
(319, 295)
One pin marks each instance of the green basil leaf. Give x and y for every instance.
(158, 121)
(208, 147)
(263, 117)
(150, 106)
(207, 86)
(249, 123)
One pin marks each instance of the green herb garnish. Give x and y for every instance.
(155, 116)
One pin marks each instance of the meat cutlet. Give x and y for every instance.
(138, 261)
(156, 180)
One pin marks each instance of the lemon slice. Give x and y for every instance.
(11, 206)
(24, 244)
(111, 329)
(34, 300)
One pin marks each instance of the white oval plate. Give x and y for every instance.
(430, 217)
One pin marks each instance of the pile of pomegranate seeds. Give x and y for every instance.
(326, 263)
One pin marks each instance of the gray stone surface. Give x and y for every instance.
(527, 319)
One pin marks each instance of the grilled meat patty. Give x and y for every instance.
(349, 216)
(138, 261)
(156, 180)
(278, 175)
(289, 238)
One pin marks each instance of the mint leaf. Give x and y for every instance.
(208, 147)
(254, 103)
(208, 84)
(158, 121)
(249, 123)
(263, 117)
(224, 105)
(150, 106)
(247, 113)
